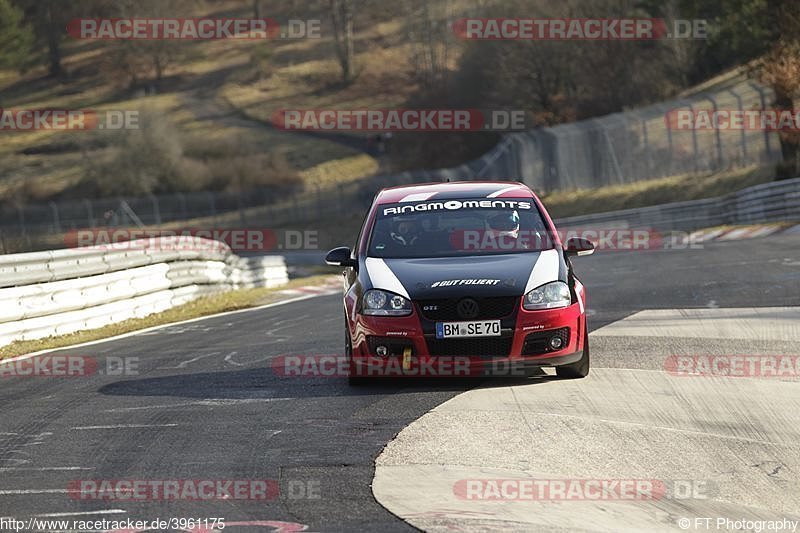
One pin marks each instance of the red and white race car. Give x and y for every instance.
(469, 270)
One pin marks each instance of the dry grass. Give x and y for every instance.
(653, 192)
(198, 94)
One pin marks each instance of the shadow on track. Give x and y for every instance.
(263, 384)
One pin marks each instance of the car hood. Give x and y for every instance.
(477, 276)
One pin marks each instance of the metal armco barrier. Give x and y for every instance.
(63, 291)
(767, 202)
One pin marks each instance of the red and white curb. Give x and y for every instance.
(329, 286)
(741, 232)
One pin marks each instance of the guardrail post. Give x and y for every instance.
(648, 156)
(695, 146)
(319, 196)
(763, 108)
(156, 210)
(182, 202)
(668, 125)
(717, 138)
(89, 212)
(56, 220)
(240, 205)
(741, 131)
(212, 205)
(21, 218)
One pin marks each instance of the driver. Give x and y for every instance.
(503, 229)
(405, 230)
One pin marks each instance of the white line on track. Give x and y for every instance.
(213, 403)
(19, 492)
(184, 364)
(125, 426)
(229, 359)
(44, 469)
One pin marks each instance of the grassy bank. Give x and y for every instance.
(653, 192)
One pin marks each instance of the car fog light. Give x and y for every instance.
(556, 342)
(382, 351)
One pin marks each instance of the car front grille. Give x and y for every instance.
(484, 347)
(539, 343)
(489, 308)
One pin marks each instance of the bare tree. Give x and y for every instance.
(780, 69)
(48, 19)
(342, 17)
(682, 52)
(16, 38)
(429, 37)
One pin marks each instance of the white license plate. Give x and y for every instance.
(476, 328)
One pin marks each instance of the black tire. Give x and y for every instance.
(352, 379)
(580, 368)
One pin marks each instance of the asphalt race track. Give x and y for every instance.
(206, 403)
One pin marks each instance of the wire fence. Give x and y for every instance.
(614, 149)
(631, 146)
(27, 222)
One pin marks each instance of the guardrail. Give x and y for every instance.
(767, 202)
(63, 291)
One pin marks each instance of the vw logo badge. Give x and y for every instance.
(467, 308)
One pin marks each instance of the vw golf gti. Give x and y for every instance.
(468, 272)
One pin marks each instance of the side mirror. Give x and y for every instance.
(578, 246)
(341, 257)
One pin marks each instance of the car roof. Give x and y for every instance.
(454, 190)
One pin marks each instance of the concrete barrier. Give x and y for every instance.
(63, 291)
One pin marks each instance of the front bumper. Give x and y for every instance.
(523, 345)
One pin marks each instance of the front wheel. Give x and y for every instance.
(353, 379)
(580, 368)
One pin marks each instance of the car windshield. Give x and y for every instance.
(449, 228)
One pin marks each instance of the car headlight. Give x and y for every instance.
(548, 296)
(383, 303)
